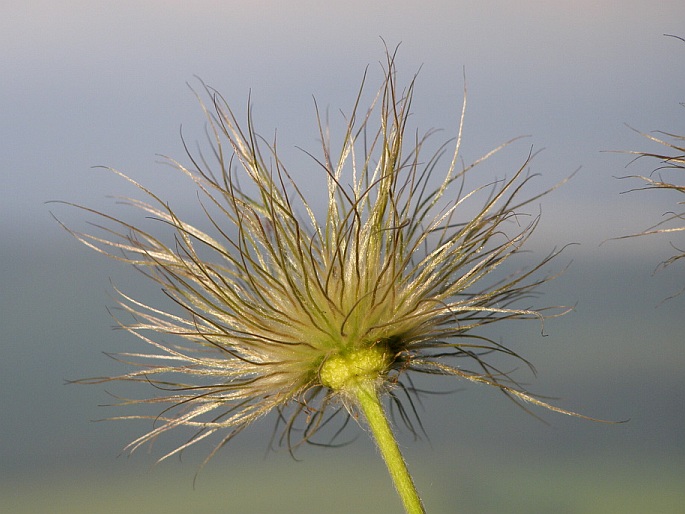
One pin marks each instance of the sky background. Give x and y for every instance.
(87, 84)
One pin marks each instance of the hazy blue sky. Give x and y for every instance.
(104, 83)
(88, 83)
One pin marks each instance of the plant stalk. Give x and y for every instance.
(372, 408)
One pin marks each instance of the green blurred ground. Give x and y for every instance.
(334, 482)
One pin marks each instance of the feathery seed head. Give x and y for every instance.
(672, 162)
(283, 309)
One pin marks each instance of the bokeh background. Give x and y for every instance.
(89, 83)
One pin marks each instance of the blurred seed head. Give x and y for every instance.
(667, 176)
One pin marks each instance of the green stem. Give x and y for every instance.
(385, 439)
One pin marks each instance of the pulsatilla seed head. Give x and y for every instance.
(282, 309)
